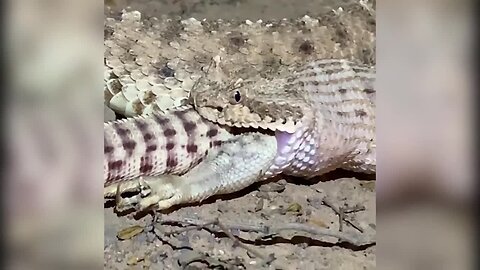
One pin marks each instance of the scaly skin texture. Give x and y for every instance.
(323, 115)
(161, 143)
(237, 163)
(152, 64)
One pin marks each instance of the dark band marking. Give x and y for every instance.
(191, 148)
(212, 132)
(162, 121)
(169, 146)
(127, 143)
(107, 147)
(170, 136)
(189, 126)
(191, 131)
(151, 148)
(146, 168)
(169, 132)
(147, 137)
(129, 146)
(145, 165)
(142, 125)
(171, 163)
(108, 150)
(120, 130)
(115, 165)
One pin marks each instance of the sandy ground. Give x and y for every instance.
(150, 244)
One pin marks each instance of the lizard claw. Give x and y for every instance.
(164, 192)
(223, 171)
(139, 185)
(156, 192)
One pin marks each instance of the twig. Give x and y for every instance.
(354, 209)
(242, 245)
(196, 224)
(341, 213)
(193, 227)
(353, 238)
(341, 217)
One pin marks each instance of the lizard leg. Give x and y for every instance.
(235, 165)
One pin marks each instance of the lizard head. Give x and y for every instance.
(262, 104)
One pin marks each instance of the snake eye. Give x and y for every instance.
(237, 96)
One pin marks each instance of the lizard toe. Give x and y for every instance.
(164, 192)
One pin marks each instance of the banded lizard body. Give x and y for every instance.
(322, 117)
(160, 143)
(172, 144)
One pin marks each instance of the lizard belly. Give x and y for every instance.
(305, 155)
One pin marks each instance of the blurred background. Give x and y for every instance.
(425, 179)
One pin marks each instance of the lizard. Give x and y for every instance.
(160, 143)
(142, 78)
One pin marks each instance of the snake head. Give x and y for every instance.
(265, 104)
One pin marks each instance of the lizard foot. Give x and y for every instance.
(137, 185)
(235, 165)
(165, 191)
(159, 192)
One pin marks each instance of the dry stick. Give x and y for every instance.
(353, 209)
(341, 217)
(199, 224)
(242, 245)
(196, 256)
(353, 238)
(346, 210)
(341, 213)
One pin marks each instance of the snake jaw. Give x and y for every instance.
(252, 105)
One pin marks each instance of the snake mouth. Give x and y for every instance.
(282, 136)
(243, 120)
